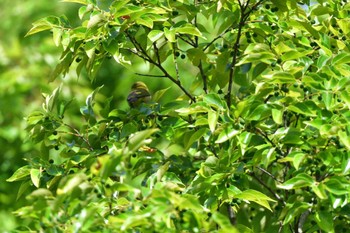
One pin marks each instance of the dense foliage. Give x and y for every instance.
(256, 141)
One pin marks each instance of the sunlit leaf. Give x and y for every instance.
(257, 197)
(21, 173)
(138, 139)
(299, 181)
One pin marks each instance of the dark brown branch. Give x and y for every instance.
(157, 53)
(243, 18)
(231, 215)
(252, 174)
(78, 134)
(216, 38)
(302, 220)
(269, 174)
(157, 63)
(235, 54)
(139, 55)
(151, 75)
(187, 41)
(200, 65)
(279, 151)
(204, 77)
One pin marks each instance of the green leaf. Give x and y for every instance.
(307, 108)
(258, 69)
(40, 194)
(95, 21)
(42, 25)
(298, 157)
(162, 170)
(193, 109)
(293, 137)
(35, 175)
(196, 55)
(195, 137)
(24, 186)
(138, 139)
(55, 170)
(212, 120)
(57, 35)
(170, 35)
(344, 138)
(346, 165)
(324, 220)
(71, 182)
(341, 58)
(257, 197)
(259, 113)
(215, 100)
(293, 54)
(299, 181)
(158, 94)
(277, 116)
(21, 173)
(337, 186)
(223, 222)
(319, 190)
(308, 27)
(226, 134)
(294, 210)
(280, 77)
(188, 29)
(345, 97)
(155, 35)
(51, 100)
(145, 21)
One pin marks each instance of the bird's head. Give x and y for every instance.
(139, 85)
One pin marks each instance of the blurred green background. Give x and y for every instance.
(25, 64)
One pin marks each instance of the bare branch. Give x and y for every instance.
(151, 75)
(243, 18)
(187, 40)
(204, 77)
(269, 174)
(231, 215)
(216, 38)
(141, 52)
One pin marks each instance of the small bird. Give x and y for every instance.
(139, 94)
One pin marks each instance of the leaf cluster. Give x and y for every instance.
(258, 142)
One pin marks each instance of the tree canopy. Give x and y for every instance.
(247, 129)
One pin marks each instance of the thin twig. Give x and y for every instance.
(302, 220)
(139, 55)
(157, 52)
(204, 77)
(252, 174)
(235, 54)
(151, 75)
(200, 65)
(79, 135)
(176, 66)
(186, 40)
(270, 141)
(269, 174)
(244, 17)
(216, 38)
(157, 63)
(231, 215)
